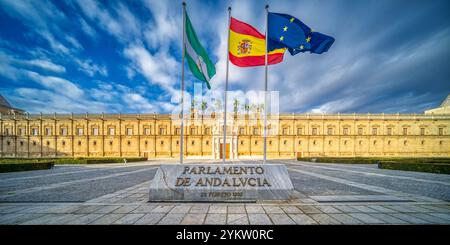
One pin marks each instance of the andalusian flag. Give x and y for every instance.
(248, 46)
(197, 58)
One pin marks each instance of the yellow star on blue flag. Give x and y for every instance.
(286, 31)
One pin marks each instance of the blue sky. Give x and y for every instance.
(125, 56)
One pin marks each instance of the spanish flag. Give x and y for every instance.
(248, 46)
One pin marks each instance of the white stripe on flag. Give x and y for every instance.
(191, 52)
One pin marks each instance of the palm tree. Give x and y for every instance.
(254, 108)
(259, 108)
(246, 107)
(204, 106)
(235, 107)
(193, 103)
(218, 104)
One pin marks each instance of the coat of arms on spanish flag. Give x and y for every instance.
(248, 46)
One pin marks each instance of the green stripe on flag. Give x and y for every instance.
(197, 58)
(195, 70)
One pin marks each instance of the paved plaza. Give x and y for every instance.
(327, 194)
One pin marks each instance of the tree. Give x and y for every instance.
(204, 106)
(235, 106)
(218, 105)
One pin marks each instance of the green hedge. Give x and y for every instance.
(439, 168)
(115, 160)
(80, 160)
(374, 160)
(25, 166)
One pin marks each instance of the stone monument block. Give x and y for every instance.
(221, 183)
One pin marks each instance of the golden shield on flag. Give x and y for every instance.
(244, 47)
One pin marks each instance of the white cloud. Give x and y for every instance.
(57, 84)
(159, 68)
(90, 68)
(103, 95)
(44, 19)
(47, 65)
(118, 20)
(87, 29)
(138, 103)
(74, 42)
(53, 42)
(12, 65)
(6, 69)
(46, 101)
(166, 25)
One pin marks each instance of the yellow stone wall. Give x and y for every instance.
(158, 136)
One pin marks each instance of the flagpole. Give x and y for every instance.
(224, 146)
(265, 85)
(182, 85)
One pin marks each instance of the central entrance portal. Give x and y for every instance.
(230, 151)
(227, 151)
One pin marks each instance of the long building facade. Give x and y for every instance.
(288, 135)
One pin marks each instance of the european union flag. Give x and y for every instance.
(287, 31)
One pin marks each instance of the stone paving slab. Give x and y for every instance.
(200, 209)
(125, 209)
(85, 219)
(382, 209)
(259, 219)
(291, 210)
(435, 208)
(215, 219)
(193, 219)
(171, 219)
(364, 209)
(345, 219)
(366, 218)
(410, 218)
(254, 209)
(309, 209)
(329, 209)
(107, 219)
(150, 219)
(401, 208)
(13, 219)
(302, 219)
(273, 210)
(217, 209)
(445, 216)
(41, 220)
(360, 198)
(324, 219)
(237, 219)
(162, 209)
(180, 209)
(88, 209)
(12, 209)
(128, 219)
(143, 209)
(236, 209)
(387, 218)
(281, 219)
(346, 209)
(430, 218)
